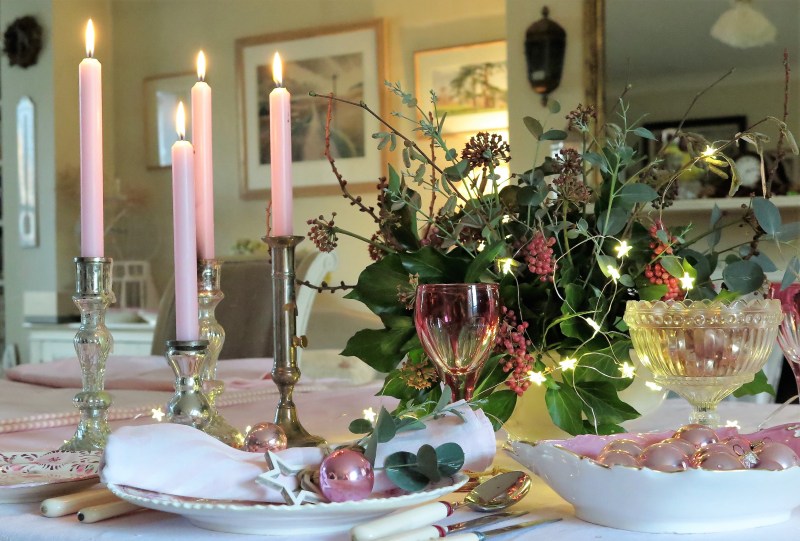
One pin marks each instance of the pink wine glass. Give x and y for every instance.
(789, 333)
(457, 325)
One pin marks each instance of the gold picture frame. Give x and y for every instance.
(346, 60)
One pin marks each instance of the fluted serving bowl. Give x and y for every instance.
(703, 350)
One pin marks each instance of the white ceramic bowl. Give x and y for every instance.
(645, 500)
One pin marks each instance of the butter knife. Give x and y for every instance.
(481, 536)
(434, 531)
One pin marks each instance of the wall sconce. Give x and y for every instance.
(545, 44)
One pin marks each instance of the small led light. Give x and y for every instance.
(613, 273)
(709, 152)
(627, 370)
(687, 282)
(536, 377)
(370, 415)
(568, 364)
(622, 249)
(593, 324)
(506, 265)
(732, 423)
(157, 414)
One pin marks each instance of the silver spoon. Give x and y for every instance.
(494, 494)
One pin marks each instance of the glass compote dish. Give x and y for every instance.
(703, 350)
(457, 325)
(789, 335)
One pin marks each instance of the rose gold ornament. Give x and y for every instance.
(779, 453)
(625, 445)
(688, 447)
(346, 475)
(699, 435)
(615, 457)
(719, 458)
(665, 457)
(263, 437)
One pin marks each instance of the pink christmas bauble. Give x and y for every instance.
(739, 444)
(665, 457)
(263, 437)
(699, 435)
(615, 457)
(346, 475)
(769, 465)
(717, 459)
(624, 445)
(688, 447)
(779, 453)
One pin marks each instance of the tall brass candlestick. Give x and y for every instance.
(285, 373)
(93, 343)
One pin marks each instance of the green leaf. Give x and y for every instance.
(499, 407)
(553, 106)
(763, 261)
(564, 407)
(450, 458)
(444, 400)
(644, 132)
(601, 405)
(758, 385)
(534, 126)
(432, 266)
(385, 429)
(399, 470)
(483, 261)
(743, 276)
(553, 135)
(597, 160)
(377, 285)
(672, 265)
(406, 424)
(616, 221)
(637, 193)
(791, 273)
(602, 366)
(379, 348)
(652, 293)
(428, 464)
(787, 233)
(458, 171)
(604, 262)
(491, 376)
(530, 196)
(767, 214)
(360, 426)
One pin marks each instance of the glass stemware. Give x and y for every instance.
(789, 333)
(457, 325)
(703, 350)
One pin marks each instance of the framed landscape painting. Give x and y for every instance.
(470, 82)
(345, 61)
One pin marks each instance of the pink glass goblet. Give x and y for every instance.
(457, 325)
(789, 332)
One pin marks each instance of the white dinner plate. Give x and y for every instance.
(277, 519)
(36, 475)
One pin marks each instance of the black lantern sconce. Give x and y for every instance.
(545, 44)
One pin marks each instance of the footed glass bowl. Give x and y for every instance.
(703, 350)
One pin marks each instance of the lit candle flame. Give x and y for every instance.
(201, 66)
(89, 39)
(277, 70)
(180, 121)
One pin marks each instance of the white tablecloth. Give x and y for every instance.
(328, 413)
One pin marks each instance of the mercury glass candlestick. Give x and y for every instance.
(285, 372)
(209, 295)
(189, 405)
(93, 342)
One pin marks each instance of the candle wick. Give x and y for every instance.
(89, 54)
(201, 78)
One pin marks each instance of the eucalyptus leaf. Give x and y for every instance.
(645, 133)
(743, 276)
(637, 193)
(428, 464)
(399, 470)
(672, 265)
(450, 458)
(767, 214)
(553, 106)
(534, 126)
(791, 273)
(612, 222)
(597, 160)
(553, 135)
(385, 429)
(360, 426)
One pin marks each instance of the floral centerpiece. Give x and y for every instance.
(568, 242)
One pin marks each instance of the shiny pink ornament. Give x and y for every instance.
(688, 447)
(263, 437)
(716, 459)
(618, 458)
(699, 435)
(770, 465)
(778, 452)
(739, 444)
(624, 445)
(665, 457)
(346, 475)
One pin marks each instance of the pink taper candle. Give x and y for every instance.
(203, 161)
(185, 242)
(91, 116)
(280, 153)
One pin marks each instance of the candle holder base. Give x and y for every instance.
(190, 405)
(93, 342)
(285, 372)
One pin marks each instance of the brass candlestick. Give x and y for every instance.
(209, 295)
(93, 342)
(285, 373)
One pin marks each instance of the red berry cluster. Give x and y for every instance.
(539, 256)
(512, 341)
(655, 273)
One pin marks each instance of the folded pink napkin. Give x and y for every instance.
(145, 372)
(179, 460)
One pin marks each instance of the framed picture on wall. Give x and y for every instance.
(161, 96)
(346, 61)
(470, 82)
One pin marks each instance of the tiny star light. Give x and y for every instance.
(709, 152)
(593, 324)
(370, 415)
(536, 377)
(732, 423)
(627, 370)
(568, 364)
(613, 273)
(687, 282)
(157, 414)
(506, 265)
(622, 249)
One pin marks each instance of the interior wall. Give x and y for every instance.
(154, 37)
